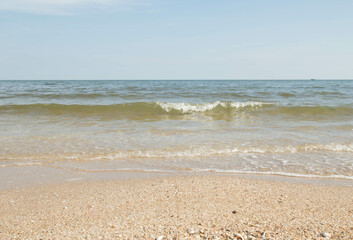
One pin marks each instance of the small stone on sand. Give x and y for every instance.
(325, 235)
(239, 237)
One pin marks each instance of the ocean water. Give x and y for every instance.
(294, 128)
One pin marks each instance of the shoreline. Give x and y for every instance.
(178, 207)
(19, 177)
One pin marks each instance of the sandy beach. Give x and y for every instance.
(176, 120)
(192, 207)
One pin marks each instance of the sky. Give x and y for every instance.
(176, 39)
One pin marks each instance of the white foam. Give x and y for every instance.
(209, 151)
(288, 174)
(203, 107)
(334, 147)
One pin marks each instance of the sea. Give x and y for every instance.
(300, 128)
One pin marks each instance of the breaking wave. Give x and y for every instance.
(156, 110)
(185, 108)
(129, 109)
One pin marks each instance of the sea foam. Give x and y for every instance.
(203, 107)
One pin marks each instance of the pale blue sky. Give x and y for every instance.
(176, 39)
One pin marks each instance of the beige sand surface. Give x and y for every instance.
(194, 207)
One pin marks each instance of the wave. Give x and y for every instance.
(332, 147)
(325, 93)
(152, 110)
(147, 109)
(185, 108)
(331, 160)
(196, 152)
(201, 152)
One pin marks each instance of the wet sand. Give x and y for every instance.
(189, 207)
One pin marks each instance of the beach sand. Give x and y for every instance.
(192, 207)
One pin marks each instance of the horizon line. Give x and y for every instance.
(198, 79)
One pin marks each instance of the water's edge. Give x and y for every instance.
(21, 177)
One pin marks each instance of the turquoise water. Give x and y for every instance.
(296, 128)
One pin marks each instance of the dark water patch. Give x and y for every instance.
(286, 94)
(328, 93)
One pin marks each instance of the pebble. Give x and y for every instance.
(159, 238)
(239, 237)
(234, 212)
(190, 231)
(325, 235)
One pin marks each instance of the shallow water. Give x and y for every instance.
(294, 128)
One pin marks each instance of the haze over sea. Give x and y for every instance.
(295, 128)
